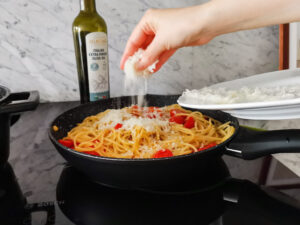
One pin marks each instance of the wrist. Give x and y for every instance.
(206, 21)
(217, 17)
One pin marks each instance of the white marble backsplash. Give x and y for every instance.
(36, 49)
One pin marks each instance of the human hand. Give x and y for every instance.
(162, 31)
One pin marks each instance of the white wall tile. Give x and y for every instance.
(36, 49)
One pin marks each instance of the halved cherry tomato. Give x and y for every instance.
(207, 146)
(153, 109)
(163, 153)
(136, 110)
(66, 143)
(136, 107)
(189, 123)
(118, 126)
(136, 113)
(151, 116)
(92, 153)
(173, 112)
(177, 119)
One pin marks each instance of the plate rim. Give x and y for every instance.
(248, 105)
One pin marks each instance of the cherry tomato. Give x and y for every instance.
(92, 153)
(173, 112)
(207, 146)
(153, 109)
(163, 153)
(151, 116)
(153, 112)
(66, 143)
(136, 111)
(177, 119)
(189, 123)
(118, 126)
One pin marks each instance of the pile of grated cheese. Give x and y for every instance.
(130, 70)
(115, 116)
(209, 95)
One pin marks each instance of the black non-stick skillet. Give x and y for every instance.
(133, 173)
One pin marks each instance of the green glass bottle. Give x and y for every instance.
(91, 49)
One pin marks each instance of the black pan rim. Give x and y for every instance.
(7, 93)
(109, 159)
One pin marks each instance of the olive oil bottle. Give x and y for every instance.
(91, 49)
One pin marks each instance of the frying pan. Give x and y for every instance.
(144, 173)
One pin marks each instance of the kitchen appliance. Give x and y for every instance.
(69, 197)
(231, 201)
(10, 104)
(145, 173)
(13, 204)
(78, 200)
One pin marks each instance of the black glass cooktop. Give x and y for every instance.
(39, 187)
(81, 201)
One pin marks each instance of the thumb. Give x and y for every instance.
(150, 55)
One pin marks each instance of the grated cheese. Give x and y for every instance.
(135, 82)
(115, 116)
(209, 95)
(130, 70)
(147, 123)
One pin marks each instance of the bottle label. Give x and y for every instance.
(97, 62)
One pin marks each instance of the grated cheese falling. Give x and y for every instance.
(136, 81)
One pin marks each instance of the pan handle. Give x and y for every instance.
(252, 144)
(21, 102)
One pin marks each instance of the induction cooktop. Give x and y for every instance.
(79, 200)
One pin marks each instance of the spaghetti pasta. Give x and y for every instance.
(147, 132)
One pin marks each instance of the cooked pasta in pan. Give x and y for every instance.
(146, 132)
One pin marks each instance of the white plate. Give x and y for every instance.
(287, 116)
(278, 78)
(293, 109)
